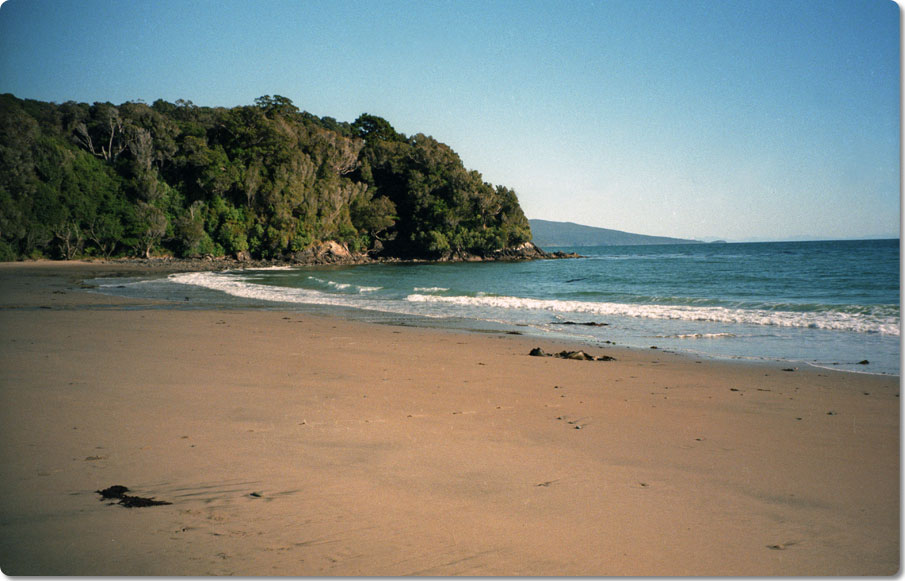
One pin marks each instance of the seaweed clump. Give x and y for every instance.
(118, 491)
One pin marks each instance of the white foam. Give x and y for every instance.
(879, 320)
(831, 320)
(119, 283)
(430, 289)
(345, 285)
(234, 285)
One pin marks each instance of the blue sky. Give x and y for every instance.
(701, 119)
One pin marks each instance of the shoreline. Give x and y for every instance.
(142, 267)
(329, 253)
(302, 444)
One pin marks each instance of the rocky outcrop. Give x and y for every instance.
(561, 254)
(330, 252)
(524, 251)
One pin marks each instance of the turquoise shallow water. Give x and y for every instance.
(831, 304)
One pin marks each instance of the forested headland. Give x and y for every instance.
(263, 181)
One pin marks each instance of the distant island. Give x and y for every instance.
(266, 181)
(548, 233)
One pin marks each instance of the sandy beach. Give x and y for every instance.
(300, 445)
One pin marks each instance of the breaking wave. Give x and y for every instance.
(701, 336)
(236, 286)
(877, 319)
(344, 286)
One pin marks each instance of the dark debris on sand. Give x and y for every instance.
(118, 491)
(575, 355)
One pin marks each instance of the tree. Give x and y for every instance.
(105, 231)
(107, 126)
(150, 227)
(372, 128)
(276, 105)
(373, 216)
(188, 231)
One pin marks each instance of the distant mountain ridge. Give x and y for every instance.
(549, 233)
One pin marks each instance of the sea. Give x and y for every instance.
(828, 304)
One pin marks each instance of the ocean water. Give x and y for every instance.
(828, 304)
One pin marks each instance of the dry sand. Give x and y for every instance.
(304, 445)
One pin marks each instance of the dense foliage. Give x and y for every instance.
(265, 180)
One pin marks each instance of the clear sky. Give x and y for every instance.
(732, 119)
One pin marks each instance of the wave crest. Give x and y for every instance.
(345, 286)
(876, 320)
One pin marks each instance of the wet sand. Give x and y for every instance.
(299, 445)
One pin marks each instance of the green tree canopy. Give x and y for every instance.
(267, 179)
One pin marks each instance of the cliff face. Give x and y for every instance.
(265, 181)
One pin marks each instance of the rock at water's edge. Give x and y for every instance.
(573, 355)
